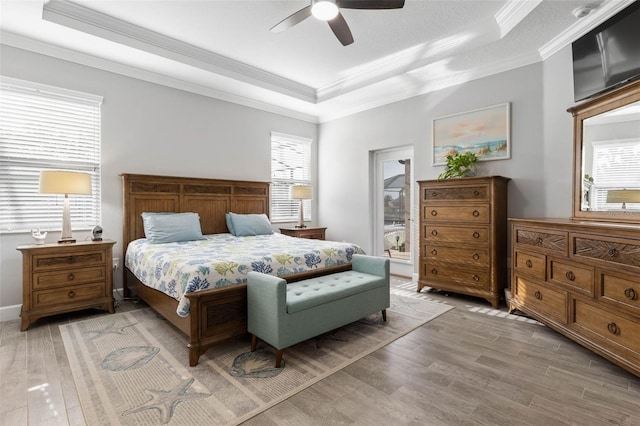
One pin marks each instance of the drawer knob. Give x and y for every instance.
(434, 194)
(476, 278)
(538, 295)
(434, 232)
(613, 328)
(475, 213)
(71, 294)
(630, 294)
(476, 235)
(613, 252)
(71, 277)
(434, 213)
(475, 256)
(529, 263)
(570, 276)
(476, 192)
(434, 271)
(434, 252)
(539, 241)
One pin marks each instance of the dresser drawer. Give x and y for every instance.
(66, 295)
(68, 260)
(435, 273)
(439, 193)
(551, 303)
(546, 241)
(577, 277)
(475, 213)
(621, 289)
(63, 278)
(478, 257)
(605, 326)
(615, 250)
(456, 234)
(533, 265)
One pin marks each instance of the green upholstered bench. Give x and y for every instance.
(284, 314)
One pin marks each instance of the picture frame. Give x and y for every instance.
(484, 131)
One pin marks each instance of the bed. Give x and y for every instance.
(217, 313)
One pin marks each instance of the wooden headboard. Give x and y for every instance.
(210, 198)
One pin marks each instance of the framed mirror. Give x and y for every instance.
(606, 156)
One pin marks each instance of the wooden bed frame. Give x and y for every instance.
(216, 314)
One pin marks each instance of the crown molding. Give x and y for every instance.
(606, 10)
(512, 13)
(61, 53)
(89, 21)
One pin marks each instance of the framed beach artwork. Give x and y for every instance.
(483, 131)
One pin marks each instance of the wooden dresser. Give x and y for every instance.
(583, 280)
(309, 233)
(59, 278)
(463, 236)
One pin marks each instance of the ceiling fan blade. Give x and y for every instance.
(292, 20)
(370, 4)
(341, 29)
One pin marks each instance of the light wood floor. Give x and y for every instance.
(471, 366)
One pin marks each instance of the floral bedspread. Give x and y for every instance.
(222, 260)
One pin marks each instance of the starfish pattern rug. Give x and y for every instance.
(132, 368)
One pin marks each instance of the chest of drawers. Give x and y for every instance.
(60, 278)
(583, 280)
(463, 236)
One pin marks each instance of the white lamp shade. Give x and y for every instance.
(65, 182)
(301, 192)
(623, 196)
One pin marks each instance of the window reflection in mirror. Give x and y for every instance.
(611, 160)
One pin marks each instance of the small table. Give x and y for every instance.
(309, 233)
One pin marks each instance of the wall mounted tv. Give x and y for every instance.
(607, 56)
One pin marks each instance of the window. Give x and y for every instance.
(614, 167)
(290, 165)
(43, 127)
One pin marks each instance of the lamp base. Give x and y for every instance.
(301, 226)
(66, 241)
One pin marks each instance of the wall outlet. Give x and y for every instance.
(116, 263)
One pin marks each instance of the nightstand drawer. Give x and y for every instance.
(68, 277)
(42, 298)
(68, 260)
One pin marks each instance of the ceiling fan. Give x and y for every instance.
(326, 10)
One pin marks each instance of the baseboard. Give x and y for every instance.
(415, 277)
(10, 313)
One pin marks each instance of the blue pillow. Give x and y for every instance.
(171, 227)
(250, 224)
(227, 216)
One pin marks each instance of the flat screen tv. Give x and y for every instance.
(607, 56)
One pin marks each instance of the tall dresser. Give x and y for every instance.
(463, 236)
(583, 280)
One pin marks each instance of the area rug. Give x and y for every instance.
(132, 368)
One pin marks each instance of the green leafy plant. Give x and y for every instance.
(459, 165)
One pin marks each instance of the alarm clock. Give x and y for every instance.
(96, 233)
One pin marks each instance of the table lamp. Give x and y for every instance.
(65, 182)
(301, 192)
(623, 196)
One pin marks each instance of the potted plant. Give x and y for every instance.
(460, 165)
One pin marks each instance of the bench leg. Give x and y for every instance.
(278, 357)
(254, 342)
(384, 315)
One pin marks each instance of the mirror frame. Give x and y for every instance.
(622, 96)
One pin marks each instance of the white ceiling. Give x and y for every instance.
(224, 49)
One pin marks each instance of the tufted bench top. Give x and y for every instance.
(306, 294)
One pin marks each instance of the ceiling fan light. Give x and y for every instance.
(324, 10)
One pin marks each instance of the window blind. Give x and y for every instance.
(290, 165)
(615, 167)
(43, 127)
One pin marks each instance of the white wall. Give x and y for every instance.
(148, 129)
(541, 146)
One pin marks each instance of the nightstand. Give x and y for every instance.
(60, 278)
(309, 233)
